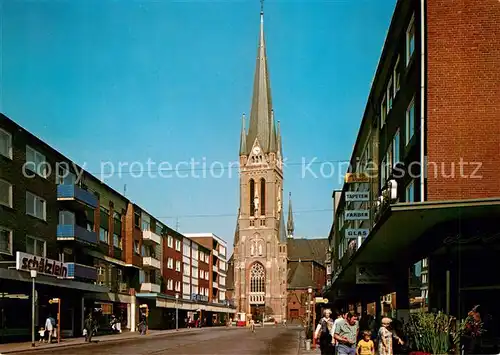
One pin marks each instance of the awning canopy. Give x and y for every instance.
(165, 301)
(12, 274)
(397, 236)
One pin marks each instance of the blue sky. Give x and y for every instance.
(108, 81)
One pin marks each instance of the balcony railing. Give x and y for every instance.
(76, 193)
(257, 298)
(215, 252)
(215, 268)
(148, 236)
(215, 284)
(150, 262)
(150, 287)
(79, 271)
(77, 233)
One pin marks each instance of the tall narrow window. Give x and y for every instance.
(252, 196)
(410, 40)
(262, 197)
(410, 122)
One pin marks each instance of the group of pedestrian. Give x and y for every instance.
(48, 331)
(342, 336)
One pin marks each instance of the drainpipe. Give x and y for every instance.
(423, 169)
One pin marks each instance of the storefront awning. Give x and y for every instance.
(12, 274)
(403, 225)
(164, 301)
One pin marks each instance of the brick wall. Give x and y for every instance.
(15, 218)
(463, 97)
(170, 252)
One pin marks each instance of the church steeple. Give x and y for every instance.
(243, 138)
(261, 126)
(290, 226)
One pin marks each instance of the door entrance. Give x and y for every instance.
(257, 312)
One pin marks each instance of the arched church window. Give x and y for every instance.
(257, 278)
(251, 197)
(263, 197)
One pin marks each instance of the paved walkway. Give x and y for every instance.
(19, 347)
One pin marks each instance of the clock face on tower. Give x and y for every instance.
(256, 150)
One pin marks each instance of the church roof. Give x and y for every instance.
(300, 275)
(261, 125)
(308, 249)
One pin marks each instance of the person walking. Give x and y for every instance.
(385, 336)
(340, 318)
(88, 327)
(252, 325)
(49, 328)
(324, 332)
(346, 335)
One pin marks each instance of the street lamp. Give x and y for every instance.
(176, 312)
(33, 277)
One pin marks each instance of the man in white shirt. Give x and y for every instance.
(336, 323)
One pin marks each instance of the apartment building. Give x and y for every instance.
(217, 263)
(424, 171)
(93, 248)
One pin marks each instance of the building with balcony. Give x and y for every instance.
(218, 262)
(423, 183)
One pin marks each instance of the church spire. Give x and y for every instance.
(261, 127)
(290, 225)
(243, 139)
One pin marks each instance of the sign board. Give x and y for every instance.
(44, 266)
(356, 215)
(355, 233)
(351, 178)
(371, 274)
(54, 300)
(357, 196)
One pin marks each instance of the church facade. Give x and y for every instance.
(259, 272)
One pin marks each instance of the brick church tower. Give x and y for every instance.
(260, 243)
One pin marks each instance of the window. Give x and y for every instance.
(257, 278)
(178, 286)
(202, 274)
(170, 284)
(35, 206)
(35, 161)
(137, 219)
(159, 228)
(424, 263)
(262, 197)
(177, 245)
(136, 247)
(103, 235)
(5, 241)
(187, 270)
(207, 258)
(64, 176)
(383, 112)
(146, 222)
(410, 121)
(66, 217)
(251, 197)
(206, 275)
(177, 266)
(195, 254)
(410, 192)
(410, 40)
(395, 148)
(424, 278)
(187, 250)
(5, 193)
(5, 144)
(396, 77)
(117, 241)
(390, 94)
(170, 241)
(383, 176)
(35, 246)
(170, 263)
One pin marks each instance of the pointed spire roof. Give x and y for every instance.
(290, 225)
(272, 135)
(260, 126)
(278, 139)
(243, 139)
